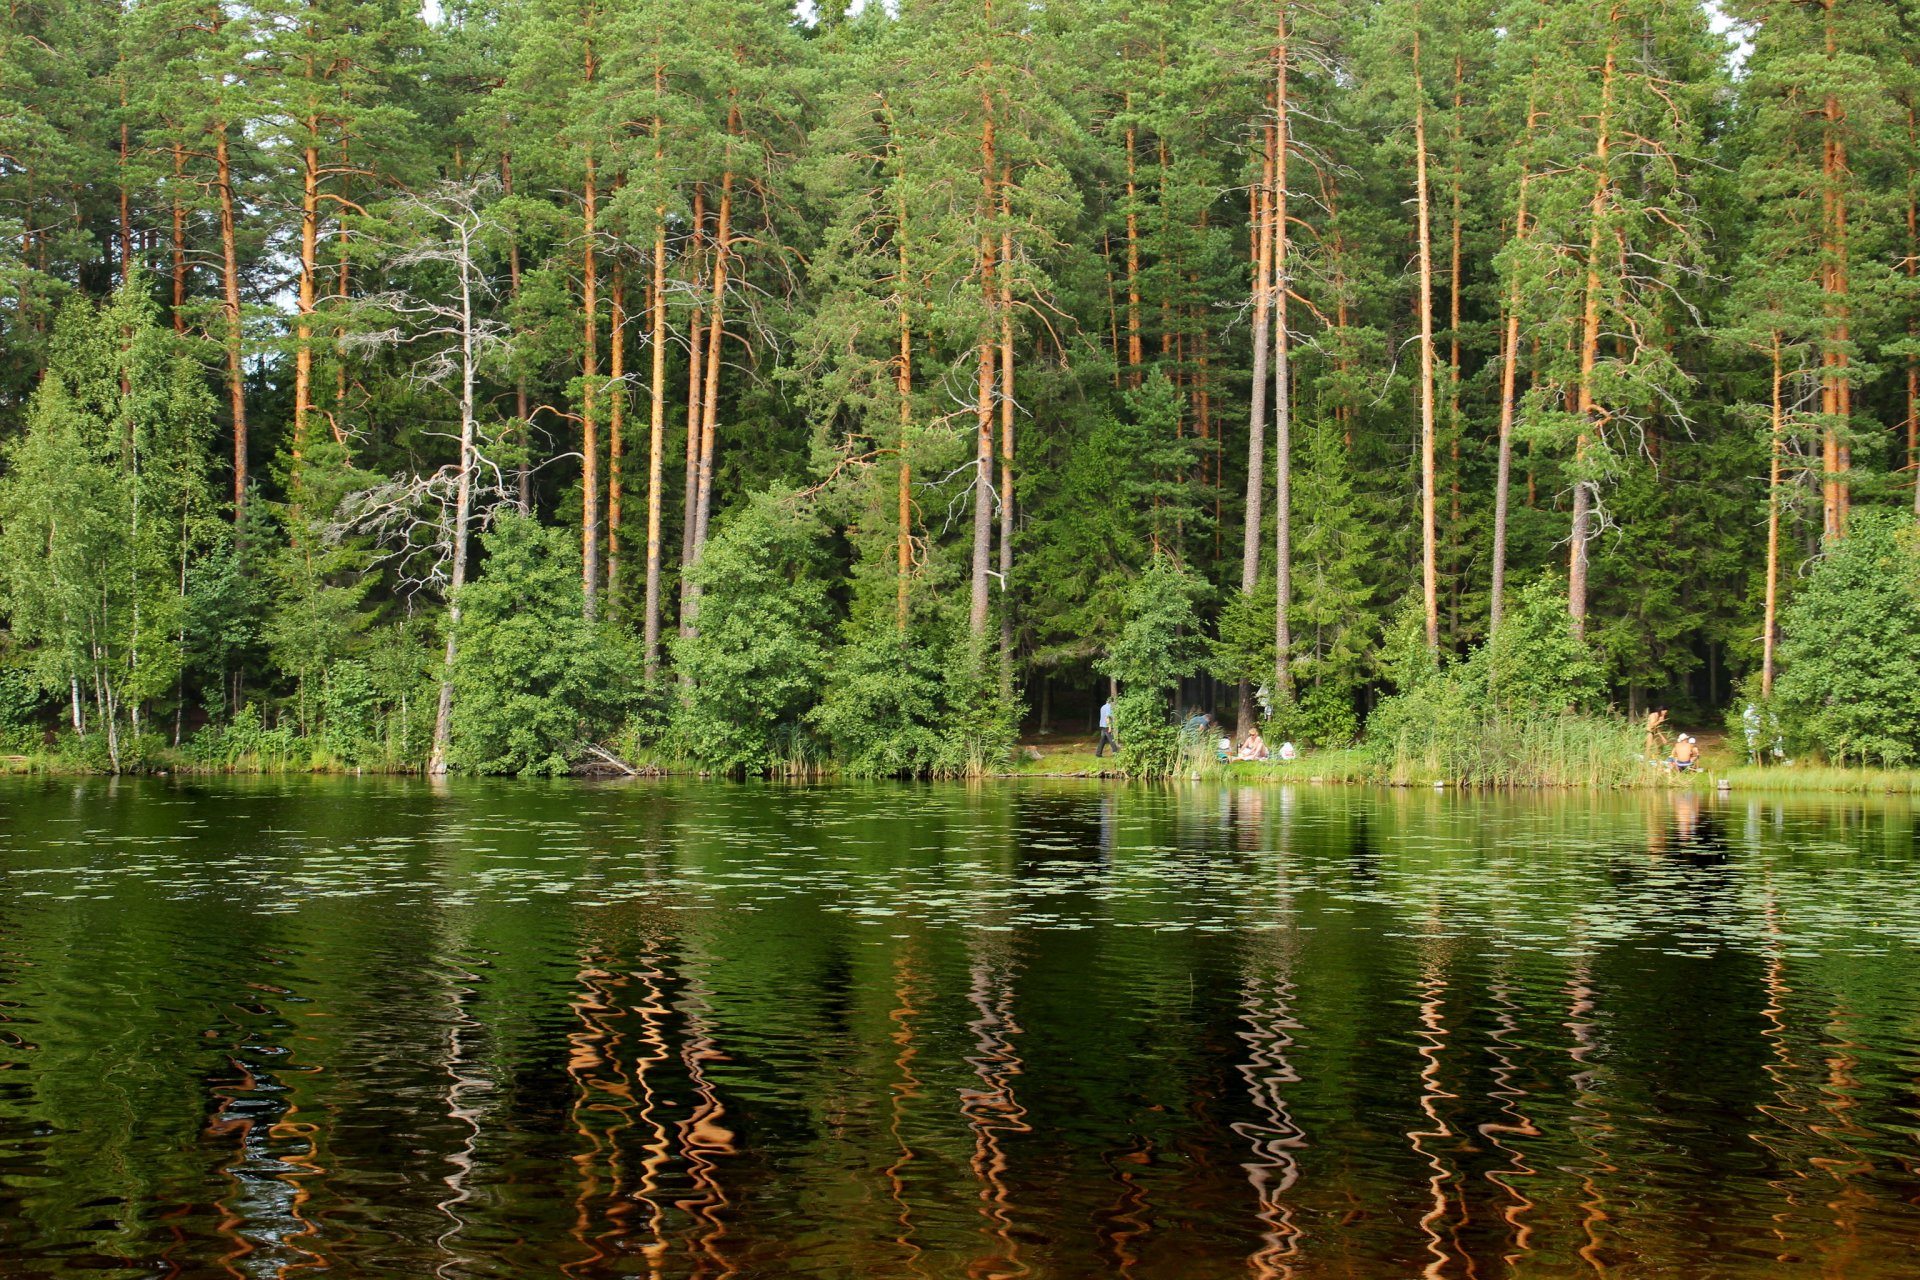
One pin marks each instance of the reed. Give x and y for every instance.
(1526, 749)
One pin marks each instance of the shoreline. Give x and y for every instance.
(1339, 768)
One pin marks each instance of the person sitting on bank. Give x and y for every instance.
(1254, 748)
(1107, 736)
(1287, 751)
(1686, 753)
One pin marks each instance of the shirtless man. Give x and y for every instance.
(1655, 737)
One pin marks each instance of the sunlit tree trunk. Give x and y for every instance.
(1776, 443)
(1006, 441)
(1135, 351)
(230, 287)
(309, 256)
(1282, 389)
(903, 548)
(696, 370)
(983, 390)
(1509, 397)
(179, 240)
(1429, 551)
(1836, 388)
(523, 475)
(616, 427)
(656, 414)
(1588, 407)
(1262, 226)
(716, 335)
(589, 375)
(1454, 425)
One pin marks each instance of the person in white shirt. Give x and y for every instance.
(1107, 736)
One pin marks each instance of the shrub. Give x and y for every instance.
(1850, 646)
(884, 711)
(533, 678)
(1518, 710)
(754, 665)
(350, 713)
(1158, 644)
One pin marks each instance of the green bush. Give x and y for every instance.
(1850, 646)
(23, 704)
(1159, 643)
(350, 713)
(753, 668)
(1322, 716)
(534, 680)
(1520, 710)
(884, 711)
(243, 742)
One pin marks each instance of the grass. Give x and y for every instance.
(1806, 777)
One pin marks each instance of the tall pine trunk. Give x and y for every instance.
(1587, 406)
(616, 427)
(983, 390)
(1429, 551)
(589, 380)
(903, 495)
(230, 288)
(1262, 225)
(309, 254)
(1006, 440)
(1509, 397)
(523, 474)
(1135, 352)
(696, 371)
(716, 336)
(179, 240)
(656, 416)
(1776, 443)
(1282, 389)
(1836, 386)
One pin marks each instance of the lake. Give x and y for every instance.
(1045, 1029)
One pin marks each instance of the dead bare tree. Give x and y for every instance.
(426, 521)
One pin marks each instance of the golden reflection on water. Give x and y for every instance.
(1591, 1122)
(1516, 1123)
(1432, 1035)
(704, 1135)
(652, 1010)
(993, 1109)
(903, 1090)
(1266, 1003)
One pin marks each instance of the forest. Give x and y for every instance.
(505, 386)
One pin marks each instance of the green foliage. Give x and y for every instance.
(1159, 644)
(1520, 709)
(1850, 646)
(349, 713)
(884, 709)
(534, 680)
(755, 666)
(23, 702)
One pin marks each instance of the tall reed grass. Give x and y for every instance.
(1523, 749)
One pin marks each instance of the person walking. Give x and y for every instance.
(1107, 736)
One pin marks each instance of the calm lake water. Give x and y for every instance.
(289, 1028)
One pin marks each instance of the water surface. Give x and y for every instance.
(294, 1028)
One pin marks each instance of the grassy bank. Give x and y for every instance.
(1075, 758)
